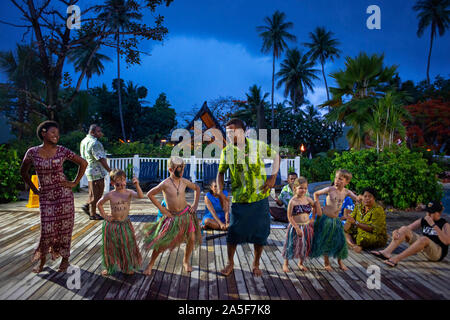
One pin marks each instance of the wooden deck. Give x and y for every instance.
(415, 278)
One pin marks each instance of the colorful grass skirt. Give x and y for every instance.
(298, 247)
(119, 249)
(249, 223)
(329, 238)
(169, 233)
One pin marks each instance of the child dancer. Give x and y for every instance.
(300, 231)
(180, 223)
(329, 237)
(119, 249)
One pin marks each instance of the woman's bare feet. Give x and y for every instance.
(38, 268)
(285, 267)
(302, 267)
(357, 249)
(227, 270)
(64, 265)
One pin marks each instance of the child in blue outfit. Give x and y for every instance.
(216, 211)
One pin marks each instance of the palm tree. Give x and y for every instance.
(323, 47)
(252, 110)
(81, 56)
(119, 16)
(274, 34)
(435, 13)
(23, 71)
(297, 75)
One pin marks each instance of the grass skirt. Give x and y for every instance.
(329, 238)
(298, 247)
(169, 233)
(119, 248)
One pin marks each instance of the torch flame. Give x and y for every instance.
(302, 148)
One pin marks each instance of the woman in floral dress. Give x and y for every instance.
(55, 194)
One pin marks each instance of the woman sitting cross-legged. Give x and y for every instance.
(365, 227)
(216, 211)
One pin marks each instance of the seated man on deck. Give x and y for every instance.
(433, 242)
(280, 214)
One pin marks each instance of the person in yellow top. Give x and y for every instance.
(366, 226)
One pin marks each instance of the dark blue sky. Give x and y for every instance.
(213, 48)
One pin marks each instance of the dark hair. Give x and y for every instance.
(116, 173)
(92, 127)
(44, 126)
(370, 190)
(208, 186)
(292, 173)
(237, 122)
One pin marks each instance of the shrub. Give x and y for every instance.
(402, 178)
(9, 174)
(140, 148)
(316, 169)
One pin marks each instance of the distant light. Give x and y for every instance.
(428, 149)
(302, 148)
(121, 141)
(128, 140)
(163, 140)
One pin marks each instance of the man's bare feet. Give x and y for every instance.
(328, 267)
(285, 267)
(187, 267)
(64, 265)
(227, 270)
(105, 273)
(257, 271)
(342, 266)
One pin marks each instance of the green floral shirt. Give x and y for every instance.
(247, 170)
(92, 151)
(375, 218)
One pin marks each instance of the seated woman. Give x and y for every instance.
(216, 212)
(366, 226)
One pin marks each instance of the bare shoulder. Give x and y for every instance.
(189, 183)
(310, 200)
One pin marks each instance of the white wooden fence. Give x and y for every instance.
(196, 168)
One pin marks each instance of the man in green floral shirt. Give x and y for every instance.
(91, 149)
(250, 188)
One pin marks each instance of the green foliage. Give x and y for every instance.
(316, 169)
(140, 148)
(401, 177)
(9, 174)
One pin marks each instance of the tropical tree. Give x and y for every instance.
(323, 47)
(252, 110)
(274, 34)
(86, 57)
(23, 72)
(297, 75)
(359, 86)
(434, 13)
(119, 16)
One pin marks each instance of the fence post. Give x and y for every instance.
(193, 169)
(297, 165)
(283, 169)
(136, 165)
(107, 179)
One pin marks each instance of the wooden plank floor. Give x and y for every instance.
(414, 278)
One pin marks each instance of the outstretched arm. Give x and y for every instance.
(320, 192)
(139, 194)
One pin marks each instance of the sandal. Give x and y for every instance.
(390, 263)
(378, 254)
